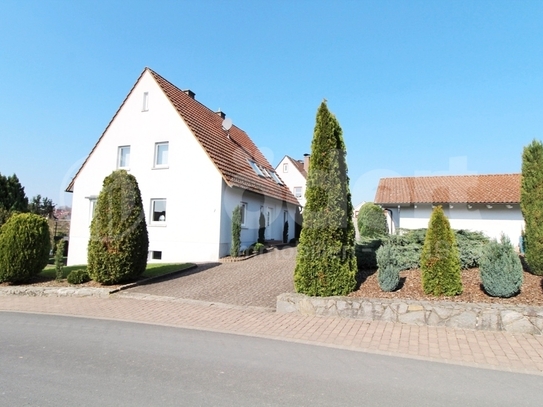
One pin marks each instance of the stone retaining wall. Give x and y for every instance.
(56, 291)
(478, 316)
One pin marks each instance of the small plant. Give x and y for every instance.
(236, 232)
(59, 260)
(500, 269)
(78, 276)
(259, 248)
(261, 228)
(389, 271)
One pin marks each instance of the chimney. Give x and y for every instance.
(220, 113)
(190, 93)
(306, 161)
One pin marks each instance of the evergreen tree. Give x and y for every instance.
(325, 264)
(261, 229)
(440, 260)
(531, 204)
(236, 232)
(372, 221)
(12, 194)
(42, 206)
(119, 243)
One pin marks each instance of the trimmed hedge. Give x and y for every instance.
(78, 276)
(119, 243)
(24, 247)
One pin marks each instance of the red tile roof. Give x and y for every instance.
(493, 188)
(231, 154)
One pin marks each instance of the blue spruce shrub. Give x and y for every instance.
(389, 270)
(500, 269)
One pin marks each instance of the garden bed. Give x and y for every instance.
(411, 289)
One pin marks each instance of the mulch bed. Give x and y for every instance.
(411, 289)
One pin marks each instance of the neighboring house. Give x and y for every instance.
(487, 203)
(193, 168)
(294, 174)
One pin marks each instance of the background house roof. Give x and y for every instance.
(229, 151)
(299, 166)
(493, 188)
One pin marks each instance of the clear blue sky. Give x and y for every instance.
(419, 87)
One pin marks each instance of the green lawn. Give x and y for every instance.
(152, 270)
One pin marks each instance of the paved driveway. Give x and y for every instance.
(254, 282)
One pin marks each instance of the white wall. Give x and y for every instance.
(191, 184)
(493, 222)
(292, 178)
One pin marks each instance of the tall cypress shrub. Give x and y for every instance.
(24, 247)
(531, 204)
(119, 243)
(236, 232)
(440, 260)
(325, 263)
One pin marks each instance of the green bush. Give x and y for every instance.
(440, 260)
(78, 276)
(24, 247)
(372, 221)
(119, 243)
(500, 269)
(59, 259)
(236, 232)
(470, 247)
(389, 272)
(259, 248)
(531, 204)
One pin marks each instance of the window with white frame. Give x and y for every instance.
(158, 211)
(123, 157)
(145, 107)
(243, 207)
(285, 167)
(92, 207)
(298, 192)
(161, 155)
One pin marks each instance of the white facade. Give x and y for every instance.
(494, 221)
(169, 164)
(293, 178)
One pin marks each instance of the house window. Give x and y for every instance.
(298, 192)
(156, 255)
(145, 107)
(275, 177)
(285, 167)
(161, 154)
(243, 207)
(92, 207)
(158, 211)
(123, 157)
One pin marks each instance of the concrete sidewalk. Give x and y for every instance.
(485, 349)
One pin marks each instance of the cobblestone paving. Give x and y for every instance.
(254, 282)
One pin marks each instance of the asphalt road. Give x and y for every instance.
(63, 361)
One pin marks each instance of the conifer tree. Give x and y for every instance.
(119, 243)
(236, 232)
(325, 263)
(440, 260)
(531, 204)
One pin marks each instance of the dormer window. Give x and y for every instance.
(256, 169)
(145, 107)
(275, 178)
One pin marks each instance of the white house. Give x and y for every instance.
(193, 168)
(487, 203)
(294, 174)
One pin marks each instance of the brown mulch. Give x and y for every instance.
(40, 281)
(411, 288)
